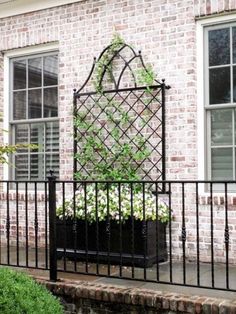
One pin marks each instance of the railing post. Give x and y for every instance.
(52, 226)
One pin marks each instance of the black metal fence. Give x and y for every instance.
(132, 230)
(24, 222)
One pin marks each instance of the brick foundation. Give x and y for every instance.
(102, 298)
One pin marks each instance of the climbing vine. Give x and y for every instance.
(118, 159)
(105, 64)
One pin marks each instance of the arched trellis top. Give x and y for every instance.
(127, 66)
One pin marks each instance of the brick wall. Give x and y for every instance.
(165, 31)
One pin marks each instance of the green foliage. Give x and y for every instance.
(20, 294)
(6, 149)
(104, 64)
(116, 160)
(146, 76)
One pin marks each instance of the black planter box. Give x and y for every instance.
(103, 246)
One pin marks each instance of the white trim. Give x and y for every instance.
(16, 7)
(7, 56)
(200, 102)
(6, 111)
(31, 50)
(201, 126)
(213, 19)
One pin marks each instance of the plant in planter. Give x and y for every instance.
(115, 219)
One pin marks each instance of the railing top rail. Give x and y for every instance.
(126, 181)
(23, 181)
(150, 181)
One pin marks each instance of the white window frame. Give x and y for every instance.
(202, 94)
(8, 55)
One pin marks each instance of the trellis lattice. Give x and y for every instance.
(121, 123)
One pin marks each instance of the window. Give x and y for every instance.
(220, 101)
(34, 115)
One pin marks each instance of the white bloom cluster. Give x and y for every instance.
(117, 202)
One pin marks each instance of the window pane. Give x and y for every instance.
(52, 137)
(234, 44)
(21, 136)
(19, 105)
(37, 136)
(35, 72)
(222, 164)
(37, 167)
(52, 163)
(234, 83)
(21, 167)
(50, 70)
(219, 82)
(50, 102)
(221, 127)
(19, 74)
(35, 103)
(219, 47)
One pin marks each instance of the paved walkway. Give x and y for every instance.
(205, 272)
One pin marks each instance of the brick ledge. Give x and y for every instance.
(140, 297)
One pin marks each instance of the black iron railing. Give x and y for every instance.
(129, 229)
(24, 224)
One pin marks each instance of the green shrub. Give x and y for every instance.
(19, 294)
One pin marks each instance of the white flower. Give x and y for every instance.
(120, 204)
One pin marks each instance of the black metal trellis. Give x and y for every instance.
(120, 93)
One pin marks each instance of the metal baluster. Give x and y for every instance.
(108, 232)
(170, 234)
(212, 239)
(8, 226)
(120, 227)
(97, 229)
(132, 226)
(46, 224)
(17, 223)
(183, 236)
(197, 225)
(36, 224)
(64, 226)
(86, 227)
(144, 233)
(74, 228)
(26, 225)
(226, 237)
(157, 233)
